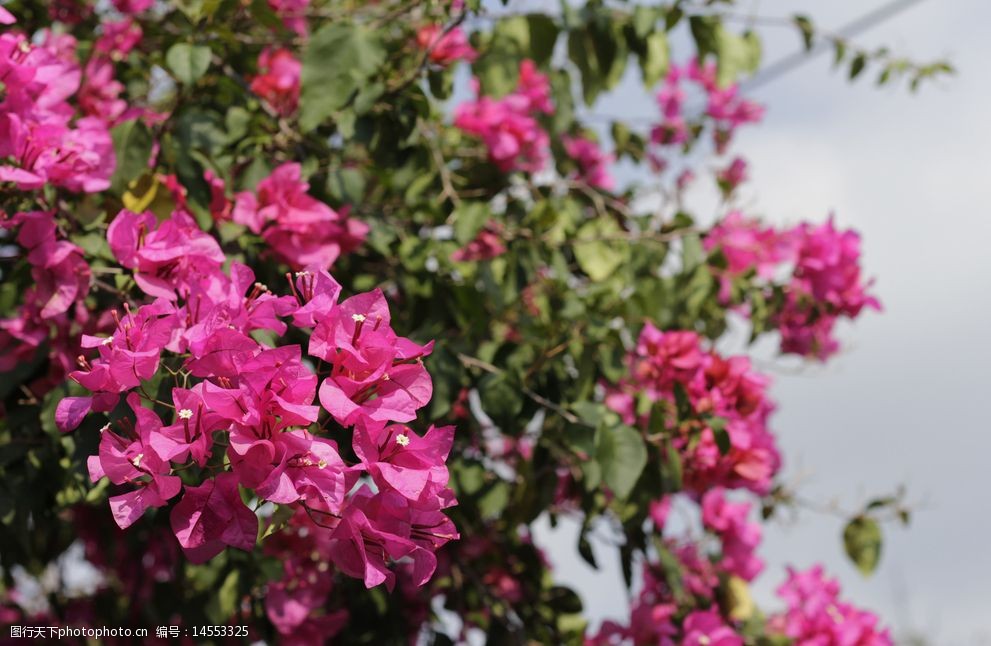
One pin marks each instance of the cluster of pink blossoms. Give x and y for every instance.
(278, 80)
(260, 400)
(656, 616)
(593, 164)
(815, 615)
(43, 142)
(293, 14)
(825, 284)
(703, 392)
(724, 106)
(507, 126)
(722, 392)
(447, 47)
(297, 228)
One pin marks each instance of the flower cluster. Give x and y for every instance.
(298, 229)
(507, 126)
(593, 164)
(815, 614)
(445, 47)
(43, 142)
(238, 402)
(486, 245)
(293, 14)
(278, 80)
(726, 399)
(738, 537)
(723, 106)
(654, 614)
(825, 284)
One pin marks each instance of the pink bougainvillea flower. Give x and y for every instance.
(748, 245)
(80, 158)
(666, 366)
(191, 434)
(100, 94)
(316, 292)
(816, 615)
(507, 126)
(131, 460)
(732, 176)
(593, 164)
(132, 353)
(533, 92)
(220, 205)
(212, 516)
(300, 230)
(278, 80)
(382, 527)
(375, 374)
(119, 37)
(445, 48)
(739, 538)
(293, 13)
(707, 628)
(487, 244)
(166, 257)
(399, 459)
(132, 6)
(6, 18)
(826, 285)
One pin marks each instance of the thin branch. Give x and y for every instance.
(473, 362)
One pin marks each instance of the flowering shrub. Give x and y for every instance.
(299, 333)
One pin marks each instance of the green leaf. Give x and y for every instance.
(862, 541)
(645, 20)
(585, 547)
(597, 251)
(346, 185)
(493, 502)
(736, 55)
(655, 60)
(857, 66)
(704, 32)
(693, 254)
(132, 147)
(188, 62)
(196, 10)
(338, 60)
(469, 218)
(223, 606)
(622, 454)
(719, 433)
(543, 37)
(672, 471)
(498, 69)
(805, 27)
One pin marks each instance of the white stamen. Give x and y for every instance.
(136, 460)
(105, 428)
(185, 413)
(358, 318)
(107, 341)
(300, 274)
(402, 440)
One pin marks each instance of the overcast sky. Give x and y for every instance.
(906, 402)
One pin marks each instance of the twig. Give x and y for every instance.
(473, 362)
